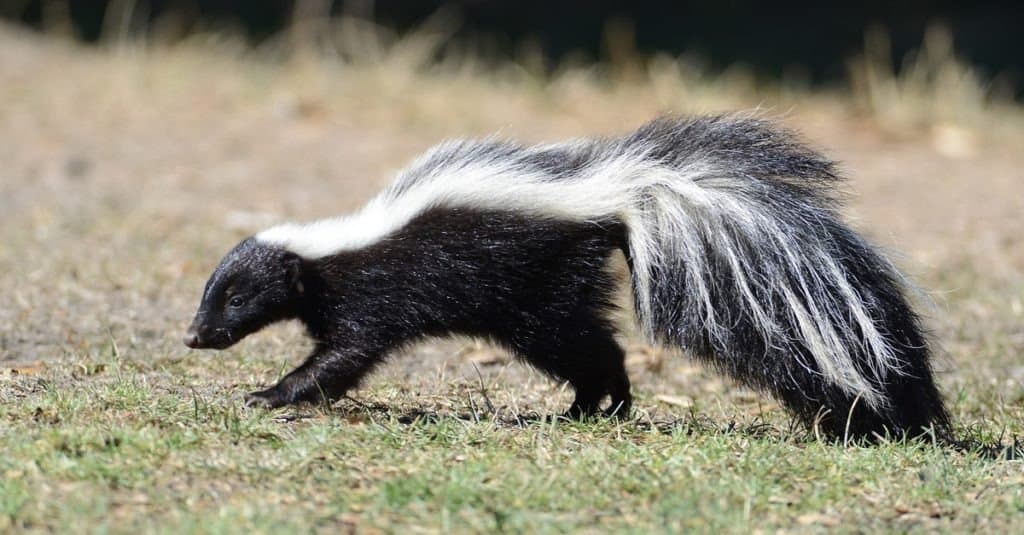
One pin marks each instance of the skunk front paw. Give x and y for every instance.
(270, 398)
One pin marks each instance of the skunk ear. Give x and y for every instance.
(293, 267)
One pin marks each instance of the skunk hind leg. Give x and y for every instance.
(592, 362)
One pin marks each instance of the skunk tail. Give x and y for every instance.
(739, 258)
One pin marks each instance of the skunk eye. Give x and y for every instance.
(236, 301)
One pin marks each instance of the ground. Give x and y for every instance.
(128, 171)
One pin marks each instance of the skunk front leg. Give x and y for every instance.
(325, 376)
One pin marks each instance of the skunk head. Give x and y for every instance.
(255, 284)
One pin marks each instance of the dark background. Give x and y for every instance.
(813, 38)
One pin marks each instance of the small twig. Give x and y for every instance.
(195, 403)
(357, 402)
(483, 389)
(472, 409)
(849, 418)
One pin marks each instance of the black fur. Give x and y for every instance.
(539, 288)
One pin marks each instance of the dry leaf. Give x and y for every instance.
(817, 518)
(678, 401)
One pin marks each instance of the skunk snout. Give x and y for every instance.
(191, 338)
(203, 334)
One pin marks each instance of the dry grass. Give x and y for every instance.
(128, 171)
(931, 86)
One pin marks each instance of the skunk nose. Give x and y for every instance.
(191, 339)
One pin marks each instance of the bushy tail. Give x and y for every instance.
(738, 256)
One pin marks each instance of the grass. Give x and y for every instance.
(96, 456)
(932, 85)
(129, 170)
(118, 446)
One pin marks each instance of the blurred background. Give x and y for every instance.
(798, 41)
(141, 139)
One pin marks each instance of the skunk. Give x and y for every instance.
(728, 224)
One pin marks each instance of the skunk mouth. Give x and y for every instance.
(221, 340)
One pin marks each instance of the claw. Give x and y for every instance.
(265, 399)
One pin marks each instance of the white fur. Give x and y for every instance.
(686, 207)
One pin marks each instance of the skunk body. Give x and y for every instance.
(729, 226)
